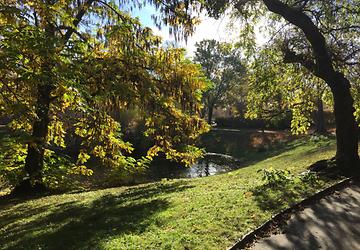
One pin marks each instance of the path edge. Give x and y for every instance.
(277, 220)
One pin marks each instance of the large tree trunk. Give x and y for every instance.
(346, 129)
(34, 161)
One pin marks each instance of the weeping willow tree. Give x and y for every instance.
(65, 63)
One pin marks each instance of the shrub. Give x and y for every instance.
(276, 177)
(278, 123)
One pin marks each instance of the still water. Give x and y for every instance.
(211, 164)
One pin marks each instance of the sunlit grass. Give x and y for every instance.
(205, 213)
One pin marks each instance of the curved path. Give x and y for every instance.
(331, 223)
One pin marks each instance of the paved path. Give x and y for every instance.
(331, 223)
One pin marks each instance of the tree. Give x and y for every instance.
(222, 64)
(316, 20)
(276, 88)
(321, 36)
(64, 63)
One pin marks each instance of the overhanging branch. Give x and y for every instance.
(324, 66)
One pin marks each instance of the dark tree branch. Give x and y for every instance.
(75, 32)
(292, 57)
(296, 17)
(78, 19)
(350, 27)
(36, 20)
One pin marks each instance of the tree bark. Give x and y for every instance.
(320, 127)
(210, 113)
(347, 131)
(34, 162)
(346, 128)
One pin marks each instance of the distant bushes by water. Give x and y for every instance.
(280, 122)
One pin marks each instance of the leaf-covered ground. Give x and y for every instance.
(205, 213)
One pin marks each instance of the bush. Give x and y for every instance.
(281, 188)
(276, 177)
(278, 123)
(12, 160)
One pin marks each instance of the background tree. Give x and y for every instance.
(222, 64)
(64, 63)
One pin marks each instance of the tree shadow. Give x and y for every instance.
(275, 197)
(331, 223)
(86, 225)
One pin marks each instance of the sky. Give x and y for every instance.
(209, 28)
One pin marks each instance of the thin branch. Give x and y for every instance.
(16, 96)
(114, 10)
(75, 32)
(277, 32)
(36, 20)
(349, 27)
(78, 19)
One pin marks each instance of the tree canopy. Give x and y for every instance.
(66, 64)
(222, 64)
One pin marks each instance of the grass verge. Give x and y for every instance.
(204, 213)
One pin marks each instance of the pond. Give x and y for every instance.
(210, 164)
(228, 150)
(231, 149)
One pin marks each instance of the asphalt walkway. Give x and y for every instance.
(331, 223)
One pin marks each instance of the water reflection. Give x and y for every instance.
(211, 164)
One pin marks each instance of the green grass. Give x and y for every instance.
(205, 213)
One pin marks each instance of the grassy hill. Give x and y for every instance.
(204, 213)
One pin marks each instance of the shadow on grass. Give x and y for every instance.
(85, 225)
(277, 197)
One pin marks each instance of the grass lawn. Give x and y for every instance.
(204, 213)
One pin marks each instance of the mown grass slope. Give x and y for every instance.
(204, 213)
